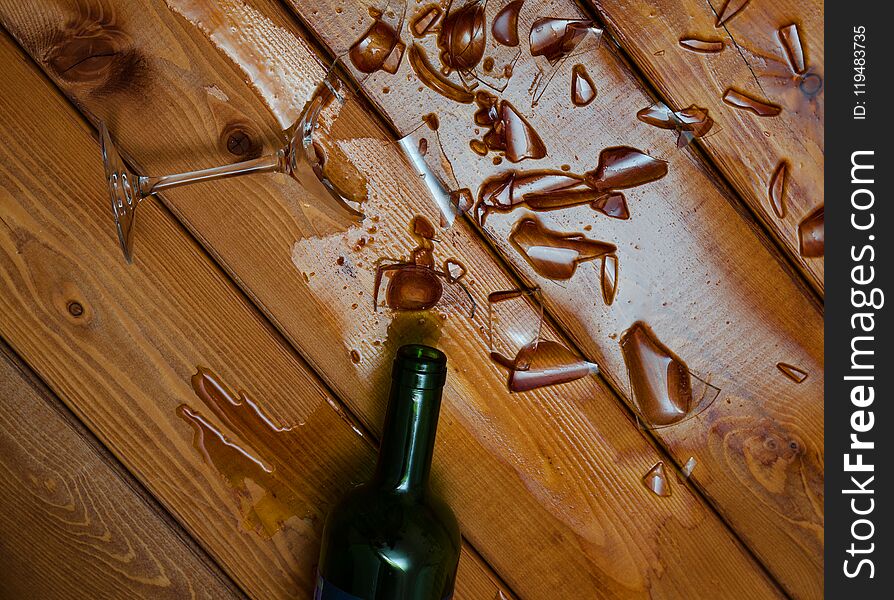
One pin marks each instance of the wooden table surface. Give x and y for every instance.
(106, 490)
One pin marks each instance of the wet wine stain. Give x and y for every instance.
(258, 463)
(656, 480)
(462, 39)
(583, 90)
(689, 123)
(812, 233)
(777, 188)
(796, 374)
(662, 387)
(555, 255)
(744, 102)
(507, 130)
(701, 46)
(505, 24)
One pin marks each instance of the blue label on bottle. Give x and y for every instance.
(327, 591)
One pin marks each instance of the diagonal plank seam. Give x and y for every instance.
(51, 399)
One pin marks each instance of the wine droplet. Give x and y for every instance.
(794, 373)
(656, 480)
(505, 24)
(739, 100)
(777, 189)
(812, 233)
(794, 51)
(426, 18)
(609, 278)
(732, 8)
(702, 46)
(583, 90)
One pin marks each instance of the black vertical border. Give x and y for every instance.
(844, 136)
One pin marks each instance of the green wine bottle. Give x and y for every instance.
(391, 538)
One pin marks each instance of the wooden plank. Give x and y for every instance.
(754, 61)
(698, 272)
(564, 464)
(119, 345)
(75, 524)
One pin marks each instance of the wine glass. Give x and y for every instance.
(302, 158)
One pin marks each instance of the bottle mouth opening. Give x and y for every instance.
(419, 358)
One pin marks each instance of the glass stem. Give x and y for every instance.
(272, 163)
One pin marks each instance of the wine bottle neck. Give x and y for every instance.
(411, 420)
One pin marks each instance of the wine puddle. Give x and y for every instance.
(425, 19)
(583, 90)
(265, 463)
(744, 102)
(700, 46)
(417, 285)
(663, 390)
(730, 9)
(505, 24)
(777, 189)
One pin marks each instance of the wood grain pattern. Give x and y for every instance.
(546, 485)
(696, 270)
(754, 62)
(75, 524)
(119, 344)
